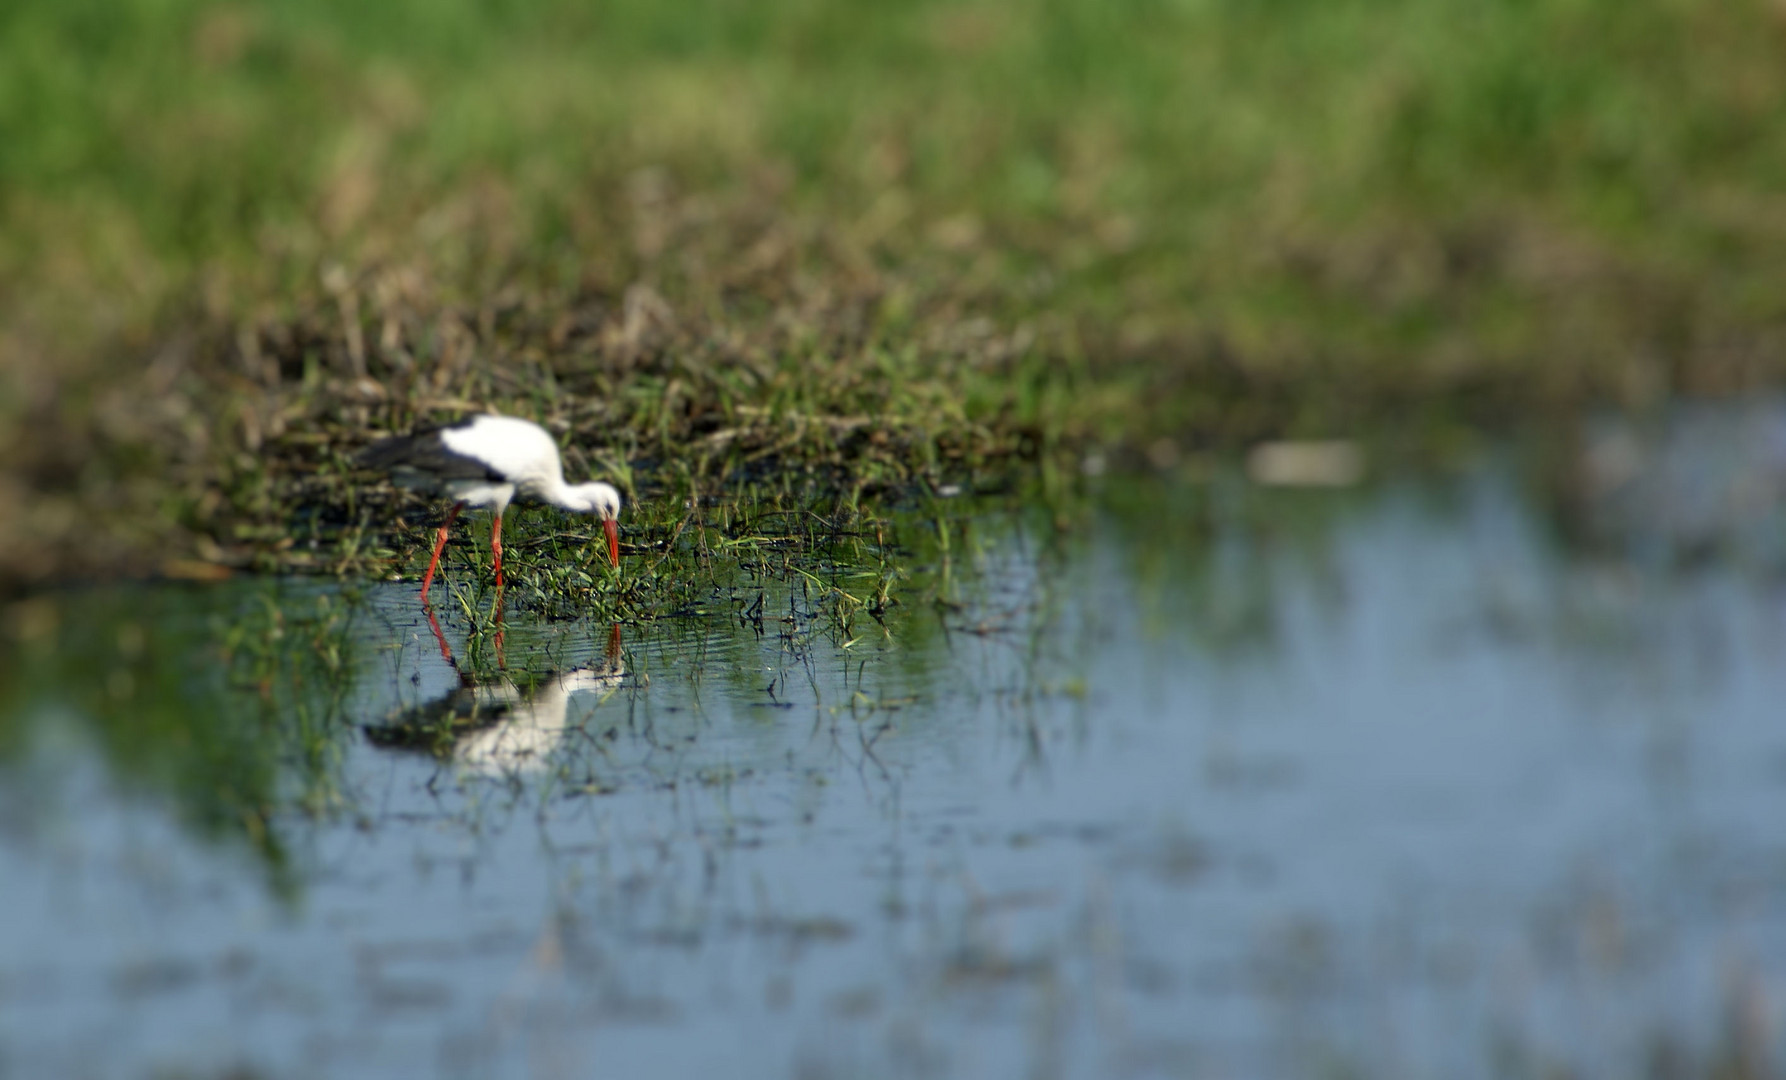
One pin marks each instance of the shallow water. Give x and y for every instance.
(1218, 783)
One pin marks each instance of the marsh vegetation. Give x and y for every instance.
(872, 244)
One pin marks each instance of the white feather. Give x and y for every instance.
(518, 449)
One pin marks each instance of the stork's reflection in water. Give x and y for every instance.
(500, 727)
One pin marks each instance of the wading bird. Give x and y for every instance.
(485, 462)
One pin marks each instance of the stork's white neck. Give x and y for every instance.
(552, 489)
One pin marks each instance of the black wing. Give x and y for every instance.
(422, 451)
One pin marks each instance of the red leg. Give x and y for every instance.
(439, 542)
(496, 551)
(496, 548)
(440, 638)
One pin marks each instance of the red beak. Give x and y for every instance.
(612, 528)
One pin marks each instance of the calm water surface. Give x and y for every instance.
(1215, 784)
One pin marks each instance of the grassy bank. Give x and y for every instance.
(869, 242)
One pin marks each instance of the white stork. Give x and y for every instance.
(485, 462)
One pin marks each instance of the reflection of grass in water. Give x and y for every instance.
(962, 953)
(232, 701)
(301, 665)
(229, 703)
(816, 580)
(854, 611)
(1210, 560)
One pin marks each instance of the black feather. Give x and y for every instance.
(423, 456)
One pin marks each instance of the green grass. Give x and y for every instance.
(883, 241)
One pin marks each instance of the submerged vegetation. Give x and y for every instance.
(867, 244)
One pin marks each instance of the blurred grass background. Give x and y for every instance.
(1042, 221)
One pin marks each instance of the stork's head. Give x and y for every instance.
(604, 502)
